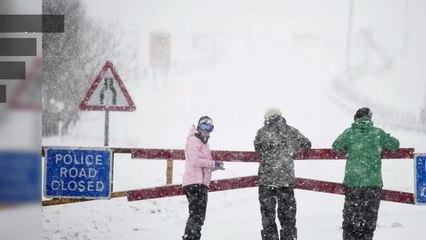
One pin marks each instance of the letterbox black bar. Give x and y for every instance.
(32, 23)
(12, 70)
(2, 93)
(18, 47)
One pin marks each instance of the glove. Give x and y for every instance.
(218, 165)
(305, 144)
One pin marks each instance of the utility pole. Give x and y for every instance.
(349, 36)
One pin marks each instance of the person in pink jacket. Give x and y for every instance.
(196, 178)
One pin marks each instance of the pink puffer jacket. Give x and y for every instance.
(198, 161)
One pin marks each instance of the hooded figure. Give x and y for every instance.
(196, 178)
(363, 144)
(276, 144)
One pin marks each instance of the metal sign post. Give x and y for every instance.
(106, 132)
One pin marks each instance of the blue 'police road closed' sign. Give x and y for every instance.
(78, 173)
(420, 193)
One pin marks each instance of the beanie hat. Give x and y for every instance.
(205, 123)
(363, 112)
(272, 112)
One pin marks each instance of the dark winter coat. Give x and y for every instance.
(363, 144)
(276, 143)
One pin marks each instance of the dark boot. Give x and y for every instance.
(266, 235)
(191, 237)
(288, 234)
(347, 235)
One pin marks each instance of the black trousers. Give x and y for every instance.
(269, 196)
(360, 212)
(197, 202)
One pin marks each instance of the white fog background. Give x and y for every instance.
(318, 61)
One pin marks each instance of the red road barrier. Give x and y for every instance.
(251, 181)
(175, 190)
(247, 156)
(244, 182)
(337, 188)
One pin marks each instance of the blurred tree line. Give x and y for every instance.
(70, 61)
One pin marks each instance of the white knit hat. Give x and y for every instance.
(273, 111)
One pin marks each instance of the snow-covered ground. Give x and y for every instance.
(278, 53)
(231, 214)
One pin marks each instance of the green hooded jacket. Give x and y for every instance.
(363, 144)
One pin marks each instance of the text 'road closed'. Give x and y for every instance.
(78, 173)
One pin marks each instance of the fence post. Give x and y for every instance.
(169, 172)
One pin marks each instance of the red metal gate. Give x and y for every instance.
(245, 182)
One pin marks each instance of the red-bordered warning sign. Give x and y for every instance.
(107, 93)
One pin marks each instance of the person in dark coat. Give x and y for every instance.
(276, 144)
(363, 144)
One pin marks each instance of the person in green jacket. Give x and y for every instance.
(363, 144)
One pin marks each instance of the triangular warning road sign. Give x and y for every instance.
(107, 93)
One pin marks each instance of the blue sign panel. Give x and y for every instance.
(78, 173)
(20, 178)
(420, 178)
